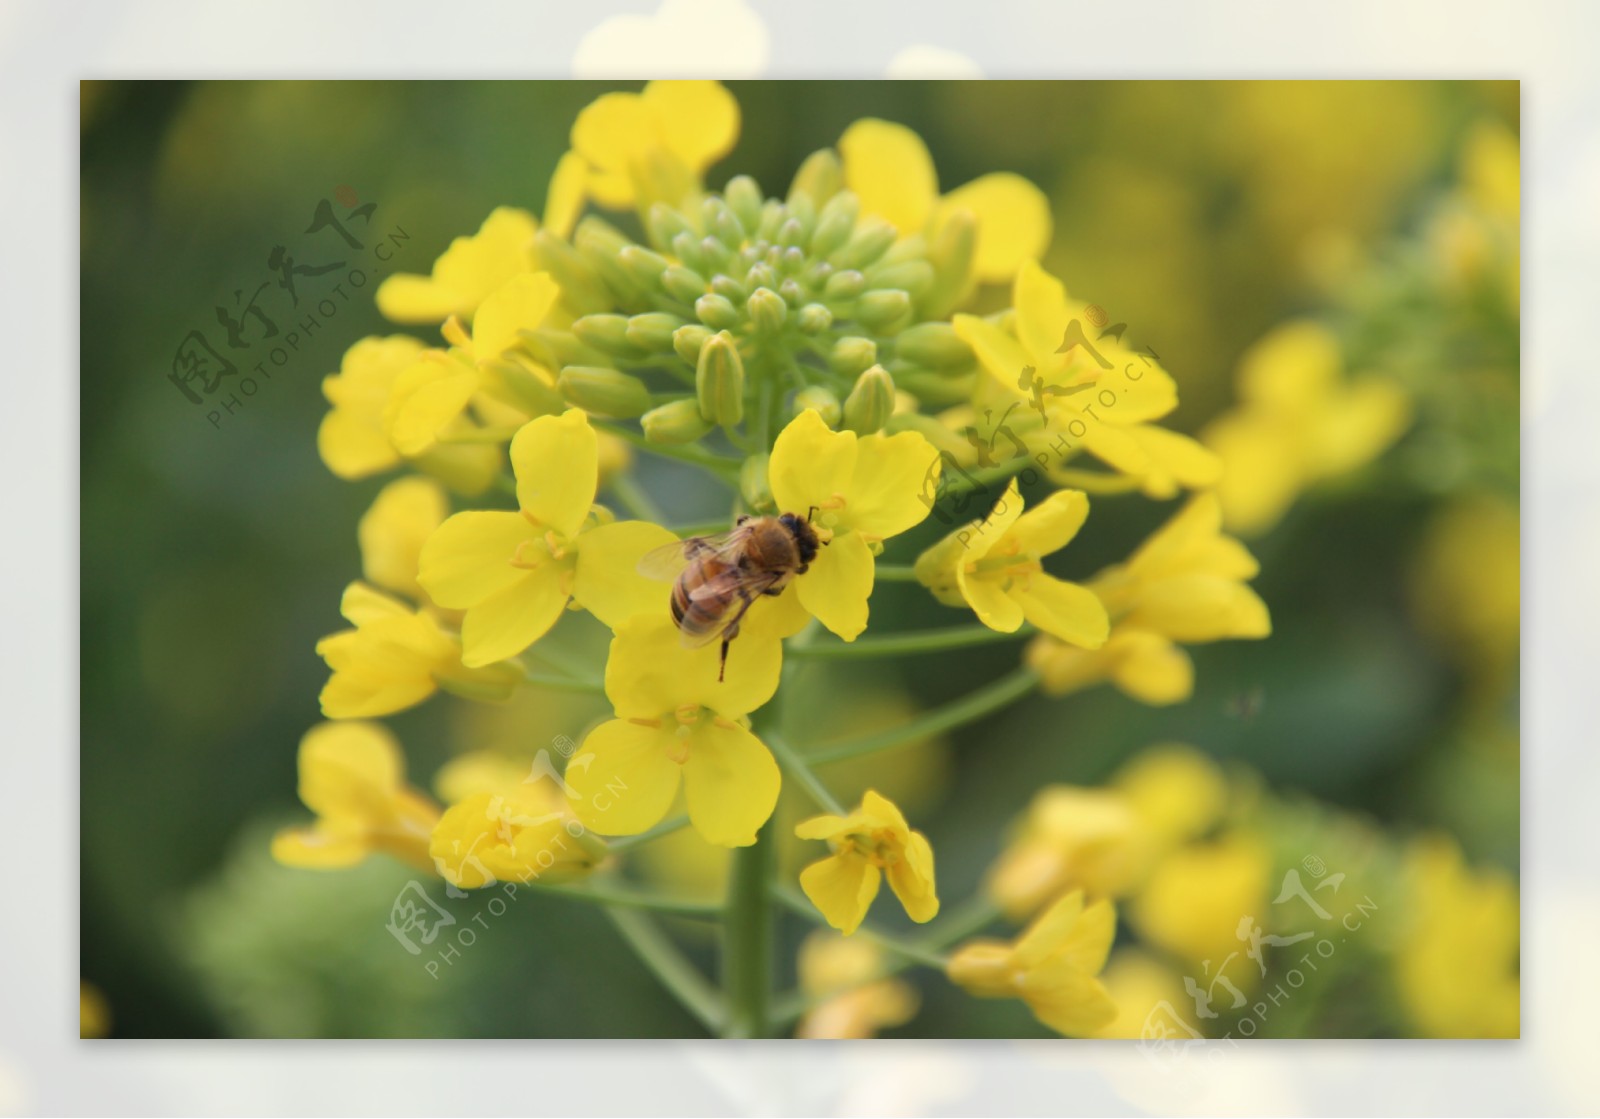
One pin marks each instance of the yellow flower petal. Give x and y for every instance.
(623, 778)
(361, 604)
(1049, 931)
(1152, 669)
(989, 600)
(349, 769)
(1000, 353)
(1089, 943)
(607, 581)
(1042, 319)
(1197, 608)
(911, 879)
(564, 202)
(699, 120)
(888, 167)
(427, 398)
(468, 559)
(1068, 1000)
(650, 672)
(842, 888)
(730, 784)
(836, 588)
(1291, 366)
(521, 303)
(609, 129)
(1050, 525)
(506, 623)
(1066, 610)
(810, 463)
(354, 446)
(316, 848)
(465, 274)
(1013, 221)
(392, 532)
(556, 460)
(891, 473)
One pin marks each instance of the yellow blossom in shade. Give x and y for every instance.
(994, 566)
(1097, 395)
(519, 832)
(871, 843)
(1052, 967)
(677, 725)
(513, 573)
(392, 531)
(1299, 422)
(889, 169)
(859, 490)
(845, 971)
(465, 273)
(1186, 584)
(654, 146)
(353, 438)
(352, 775)
(1456, 964)
(395, 658)
(94, 1013)
(1194, 900)
(1139, 984)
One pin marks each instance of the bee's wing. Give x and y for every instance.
(668, 561)
(732, 583)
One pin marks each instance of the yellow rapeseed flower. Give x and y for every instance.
(392, 531)
(513, 573)
(889, 169)
(994, 566)
(653, 146)
(1299, 422)
(1138, 984)
(859, 490)
(1094, 393)
(1196, 897)
(465, 273)
(872, 842)
(845, 972)
(518, 832)
(396, 657)
(1186, 584)
(678, 725)
(1051, 967)
(352, 775)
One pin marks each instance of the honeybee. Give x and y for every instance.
(717, 578)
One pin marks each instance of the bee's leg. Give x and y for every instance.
(727, 636)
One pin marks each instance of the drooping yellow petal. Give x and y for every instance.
(468, 558)
(393, 530)
(1066, 610)
(1050, 525)
(507, 622)
(354, 446)
(1089, 943)
(521, 303)
(349, 769)
(888, 167)
(989, 600)
(1153, 669)
(1068, 1000)
(1049, 931)
(842, 888)
(1013, 222)
(318, 848)
(607, 582)
(911, 879)
(556, 460)
(623, 778)
(730, 783)
(1196, 608)
(651, 672)
(698, 120)
(836, 588)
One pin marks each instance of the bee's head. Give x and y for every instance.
(805, 537)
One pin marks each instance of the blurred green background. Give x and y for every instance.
(213, 555)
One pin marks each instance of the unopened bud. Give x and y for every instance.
(719, 380)
(835, 223)
(684, 284)
(870, 403)
(677, 422)
(688, 339)
(822, 401)
(606, 333)
(871, 239)
(753, 484)
(717, 311)
(767, 310)
(814, 319)
(819, 177)
(852, 354)
(605, 392)
(878, 309)
(934, 345)
(652, 332)
(745, 199)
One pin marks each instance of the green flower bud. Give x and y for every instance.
(581, 289)
(951, 256)
(767, 310)
(940, 389)
(871, 239)
(791, 232)
(604, 392)
(688, 339)
(825, 403)
(934, 345)
(718, 257)
(745, 198)
(684, 284)
(852, 355)
(753, 484)
(819, 177)
(942, 438)
(842, 285)
(677, 422)
(835, 223)
(914, 276)
(525, 389)
(719, 380)
(792, 292)
(608, 334)
(653, 332)
(664, 224)
(646, 267)
(717, 311)
(814, 319)
(761, 275)
(878, 309)
(773, 215)
(686, 247)
(721, 222)
(729, 288)
(556, 349)
(601, 247)
(870, 403)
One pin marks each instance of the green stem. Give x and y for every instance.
(968, 709)
(902, 644)
(666, 827)
(669, 965)
(895, 573)
(634, 499)
(604, 893)
(797, 768)
(747, 939)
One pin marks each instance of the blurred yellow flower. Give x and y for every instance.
(994, 567)
(353, 438)
(1186, 583)
(889, 169)
(1095, 395)
(352, 775)
(392, 531)
(520, 833)
(395, 658)
(845, 972)
(653, 146)
(1299, 422)
(1177, 792)
(1457, 964)
(677, 724)
(1193, 902)
(1466, 582)
(513, 573)
(858, 491)
(1138, 984)
(465, 273)
(1051, 967)
(872, 842)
